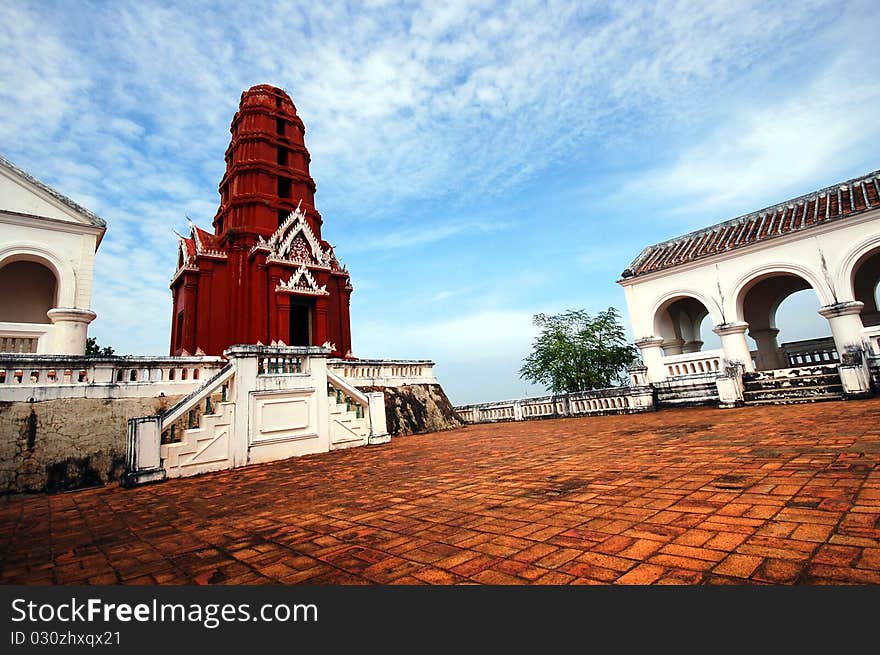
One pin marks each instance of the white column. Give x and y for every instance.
(768, 348)
(733, 341)
(846, 324)
(243, 383)
(652, 356)
(673, 346)
(71, 327)
(318, 371)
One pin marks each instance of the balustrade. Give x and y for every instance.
(708, 362)
(599, 401)
(10, 344)
(810, 351)
(279, 365)
(59, 376)
(384, 373)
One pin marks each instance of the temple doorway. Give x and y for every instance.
(300, 322)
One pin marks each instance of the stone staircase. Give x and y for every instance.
(805, 384)
(349, 424)
(203, 448)
(694, 392)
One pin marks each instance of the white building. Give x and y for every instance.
(47, 255)
(738, 272)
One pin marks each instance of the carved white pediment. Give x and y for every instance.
(294, 241)
(302, 282)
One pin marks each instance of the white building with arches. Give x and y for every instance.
(738, 272)
(47, 257)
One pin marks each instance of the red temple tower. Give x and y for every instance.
(264, 274)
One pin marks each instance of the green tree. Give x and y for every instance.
(578, 352)
(94, 350)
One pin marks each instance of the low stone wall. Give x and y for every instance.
(614, 400)
(417, 408)
(69, 443)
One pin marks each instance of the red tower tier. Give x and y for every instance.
(265, 274)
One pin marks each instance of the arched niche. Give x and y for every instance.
(28, 290)
(678, 320)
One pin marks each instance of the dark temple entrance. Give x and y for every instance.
(300, 323)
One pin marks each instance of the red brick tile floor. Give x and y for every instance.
(767, 495)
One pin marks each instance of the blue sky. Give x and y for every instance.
(476, 163)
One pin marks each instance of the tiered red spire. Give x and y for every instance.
(265, 274)
(267, 167)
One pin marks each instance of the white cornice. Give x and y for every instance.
(27, 220)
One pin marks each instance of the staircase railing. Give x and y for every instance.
(372, 405)
(352, 392)
(188, 402)
(143, 458)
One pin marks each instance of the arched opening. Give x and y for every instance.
(785, 328)
(681, 323)
(28, 289)
(865, 280)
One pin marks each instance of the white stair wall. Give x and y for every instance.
(346, 429)
(204, 448)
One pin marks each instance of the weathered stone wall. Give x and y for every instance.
(68, 443)
(71, 443)
(417, 408)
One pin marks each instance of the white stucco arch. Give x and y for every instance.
(827, 241)
(747, 280)
(711, 305)
(36, 252)
(845, 274)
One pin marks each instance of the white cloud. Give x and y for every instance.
(757, 155)
(495, 333)
(478, 355)
(789, 145)
(415, 236)
(445, 294)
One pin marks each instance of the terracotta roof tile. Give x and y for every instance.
(833, 203)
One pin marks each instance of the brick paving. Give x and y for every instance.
(768, 495)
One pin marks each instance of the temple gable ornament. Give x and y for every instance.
(294, 241)
(302, 282)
